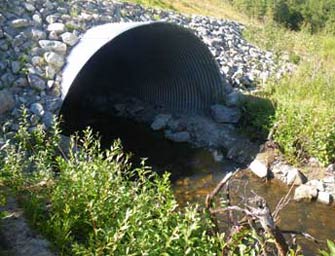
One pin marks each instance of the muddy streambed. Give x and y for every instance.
(195, 173)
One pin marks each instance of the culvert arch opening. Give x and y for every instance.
(161, 64)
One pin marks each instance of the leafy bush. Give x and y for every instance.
(257, 115)
(331, 247)
(92, 202)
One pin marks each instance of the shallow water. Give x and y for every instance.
(194, 174)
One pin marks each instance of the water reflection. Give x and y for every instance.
(313, 218)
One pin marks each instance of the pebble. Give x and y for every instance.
(20, 23)
(54, 59)
(69, 38)
(36, 82)
(56, 27)
(7, 102)
(52, 45)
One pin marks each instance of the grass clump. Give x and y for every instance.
(305, 100)
(305, 114)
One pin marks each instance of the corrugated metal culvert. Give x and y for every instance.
(161, 63)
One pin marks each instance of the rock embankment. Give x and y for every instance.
(36, 37)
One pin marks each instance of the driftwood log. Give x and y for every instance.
(254, 212)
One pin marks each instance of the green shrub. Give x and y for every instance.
(257, 115)
(331, 247)
(92, 202)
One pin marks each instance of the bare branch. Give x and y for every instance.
(283, 202)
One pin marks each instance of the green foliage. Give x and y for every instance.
(92, 202)
(305, 114)
(304, 101)
(331, 247)
(313, 15)
(257, 115)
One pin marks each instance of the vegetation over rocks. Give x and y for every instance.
(89, 201)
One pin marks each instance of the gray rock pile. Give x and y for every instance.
(37, 35)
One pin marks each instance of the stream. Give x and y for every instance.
(194, 174)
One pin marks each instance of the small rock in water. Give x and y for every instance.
(260, 165)
(305, 192)
(177, 136)
(222, 114)
(317, 184)
(160, 122)
(217, 155)
(324, 198)
(294, 176)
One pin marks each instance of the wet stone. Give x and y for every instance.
(183, 136)
(160, 122)
(305, 192)
(324, 198)
(294, 176)
(260, 165)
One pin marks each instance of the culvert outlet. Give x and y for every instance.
(159, 63)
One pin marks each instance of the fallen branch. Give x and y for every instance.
(209, 198)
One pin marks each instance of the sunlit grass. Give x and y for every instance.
(214, 8)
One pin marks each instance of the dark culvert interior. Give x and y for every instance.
(161, 64)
